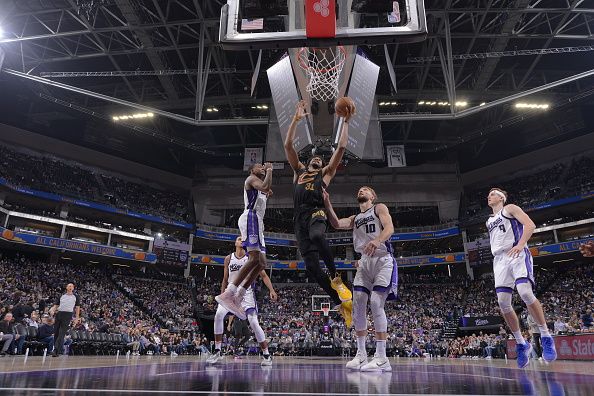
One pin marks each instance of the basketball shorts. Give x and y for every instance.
(251, 227)
(510, 271)
(303, 221)
(377, 274)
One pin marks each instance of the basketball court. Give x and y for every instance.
(288, 376)
(316, 51)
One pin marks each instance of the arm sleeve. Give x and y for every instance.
(57, 301)
(77, 302)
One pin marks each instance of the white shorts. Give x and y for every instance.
(251, 227)
(377, 274)
(511, 271)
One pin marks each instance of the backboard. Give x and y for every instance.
(258, 24)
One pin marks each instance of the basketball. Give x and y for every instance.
(344, 106)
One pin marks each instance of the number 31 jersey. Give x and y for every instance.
(367, 226)
(504, 231)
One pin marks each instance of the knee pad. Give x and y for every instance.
(377, 302)
(219, 320)
(360, 310)
(504, 299)
(256, 328)
(526, 293)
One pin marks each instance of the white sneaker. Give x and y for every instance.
(215, 358)
(227, 300)
(377, 364)
(266, 360)
(358, 361)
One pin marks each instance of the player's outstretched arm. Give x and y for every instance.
(388, 229)
(258, 184)
(268, 283)
(330, 170)
(528, 224)
(292, 156)
(225, 281)
(339, 224)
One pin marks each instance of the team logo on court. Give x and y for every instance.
(321, 7)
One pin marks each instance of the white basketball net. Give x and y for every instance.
(323, 67)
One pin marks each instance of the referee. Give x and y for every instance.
(65, 307)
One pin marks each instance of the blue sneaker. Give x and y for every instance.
(523, 351)
(548, 349)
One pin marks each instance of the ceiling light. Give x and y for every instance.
(394, 103)
(132, 116)
(482, 104)
(462, 104)
(422, 102)
(539, 106)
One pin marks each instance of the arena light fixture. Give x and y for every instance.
(132, 116)
(537, 106)
(212, 109)
(461, 104)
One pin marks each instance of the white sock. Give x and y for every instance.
(544, 330)
(380, 349)
(240, 292)
(361, 344)
(518, 337)
(232, 288)
(265, 351)
(218, 345)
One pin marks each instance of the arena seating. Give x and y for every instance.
(74, 180)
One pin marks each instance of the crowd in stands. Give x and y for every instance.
(154, 311)
(50, 174)
(555, 182)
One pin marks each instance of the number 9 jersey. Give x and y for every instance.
(504, 231)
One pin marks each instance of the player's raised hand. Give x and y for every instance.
(300, 111)
(267, 166)
(587, 249)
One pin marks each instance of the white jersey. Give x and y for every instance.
(367, 226)
(235, 265)
(504, 231)
(255, 200)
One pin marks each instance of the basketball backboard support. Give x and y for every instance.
(257, 24)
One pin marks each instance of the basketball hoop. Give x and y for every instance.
(323, 67)
(325, 309)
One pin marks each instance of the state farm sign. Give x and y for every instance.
(579, 347)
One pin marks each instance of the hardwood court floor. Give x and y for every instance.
(288, 376)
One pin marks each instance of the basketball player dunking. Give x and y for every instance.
(233, 265)
(376, 279)
(510, 228)
(251, 225)
(310, 217)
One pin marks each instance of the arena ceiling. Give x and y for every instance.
(486, 49)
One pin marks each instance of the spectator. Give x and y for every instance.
(45, 332)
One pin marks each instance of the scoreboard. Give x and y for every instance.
(479, 252)
(172, 253)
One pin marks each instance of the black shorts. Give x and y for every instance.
(303, 221)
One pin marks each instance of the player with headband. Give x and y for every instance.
(510, 228)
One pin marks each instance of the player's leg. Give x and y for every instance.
(317, 274)
(360, 299)
(523, 270)
(260, 337)
(382, 269)
(219, 326)
(317, 235)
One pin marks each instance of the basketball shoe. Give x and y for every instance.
(358, 361)
(549, 353)
(523, 351)
(377, 364)
(227, 301)
(215, 357)
(343, 292)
